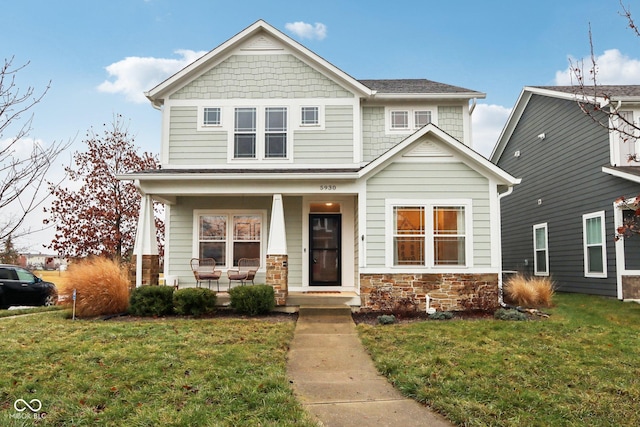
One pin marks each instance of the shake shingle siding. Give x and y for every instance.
(562, 180)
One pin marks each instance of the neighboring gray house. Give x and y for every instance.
(368, 190)
(561, 221)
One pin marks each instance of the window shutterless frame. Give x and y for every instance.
(594, 244)
(540, 250)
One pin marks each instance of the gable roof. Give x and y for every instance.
(602, 95)
(210, 59)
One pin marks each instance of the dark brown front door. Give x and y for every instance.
(325, 251)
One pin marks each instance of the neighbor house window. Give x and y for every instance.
(244, 143)
(211, 116)
(275, 136)
(228, 237)
(626, 141)
(430, 234)
(541, 250)
(593, 234)
(310, 116)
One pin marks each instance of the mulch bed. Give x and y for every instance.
(371, 317)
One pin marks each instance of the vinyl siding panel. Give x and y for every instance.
(292, 206)
(564, 172)
(333, 145)
(427, 181)
(189, 147)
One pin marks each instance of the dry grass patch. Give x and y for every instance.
(101, 285)
(529, 291)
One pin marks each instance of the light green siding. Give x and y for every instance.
(424, 181)
(262, 77)
(450, 120)
(182, 233)
(374, 140)
(189, 147)
(333, 145)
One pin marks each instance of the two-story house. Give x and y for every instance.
(368, 189)
(562, 220)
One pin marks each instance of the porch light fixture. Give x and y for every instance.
(328, 204)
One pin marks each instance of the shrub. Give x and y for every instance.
(101, 285)
(194, 301)
(529, 292)
(386, 319)
(151, 301)
(441, 315)
(252, 300)
(504, 314)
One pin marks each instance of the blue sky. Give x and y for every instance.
(101, 55)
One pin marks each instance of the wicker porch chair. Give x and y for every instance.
(246, 270)
(204, 269)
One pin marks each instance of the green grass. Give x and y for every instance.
(579, 367)
(29, 310)
(156, 372)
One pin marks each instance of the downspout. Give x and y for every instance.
(500, 284)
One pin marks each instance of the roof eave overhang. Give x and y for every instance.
(621, 174)
(429, 96)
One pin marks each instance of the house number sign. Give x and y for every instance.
(328, 187)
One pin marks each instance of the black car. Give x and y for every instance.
(19, 286)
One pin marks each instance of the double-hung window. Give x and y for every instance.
(244, 140)
(595, 254)
(430, 234)
(275, 135)
(228, 237)
(540, 250)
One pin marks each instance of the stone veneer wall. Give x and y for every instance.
(448, 292)
(277, 275)
(630, 287)
(150, 270)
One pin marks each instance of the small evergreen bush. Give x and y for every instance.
(441, 315)
(194, 301)
(505, 314)
(151, 301)
(386, 319)
(252, 300)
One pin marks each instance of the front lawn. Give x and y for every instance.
(156, 372)
(579, 367)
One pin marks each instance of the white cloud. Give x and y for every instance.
(488, 120)
(304, 30)
(134, 75)
(613, 68)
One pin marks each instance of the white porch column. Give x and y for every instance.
(146, 241)
(277, 235)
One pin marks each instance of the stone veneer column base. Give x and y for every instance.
(277, 276)
(150, 270)
(447, 292)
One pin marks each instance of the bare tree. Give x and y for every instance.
(24, 163)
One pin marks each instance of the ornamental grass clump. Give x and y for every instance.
(101, 285)
(529, 291)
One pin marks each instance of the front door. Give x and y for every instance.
(325, 249)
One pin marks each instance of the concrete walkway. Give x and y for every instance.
(335, 379)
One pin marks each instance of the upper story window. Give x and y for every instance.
(408, 119)
(275, 138)
(211, 116)
(627, 143)
(310, 116)
(244, 139)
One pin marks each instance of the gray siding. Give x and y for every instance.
(333, 145)
(564, 171)
(424, 181)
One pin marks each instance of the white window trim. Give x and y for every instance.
(298, 117)
(546, 249)
(603, 234)
(428, 204)
(230, 213)
(410, 109)
(260, 136)
(202, 126)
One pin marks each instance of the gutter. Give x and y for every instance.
(500, 282)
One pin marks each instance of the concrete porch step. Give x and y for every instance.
(323, 299)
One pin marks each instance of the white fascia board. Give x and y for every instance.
(510, 125)
(207, 176)
(620, 174)
(470, 157)
(156, 94)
